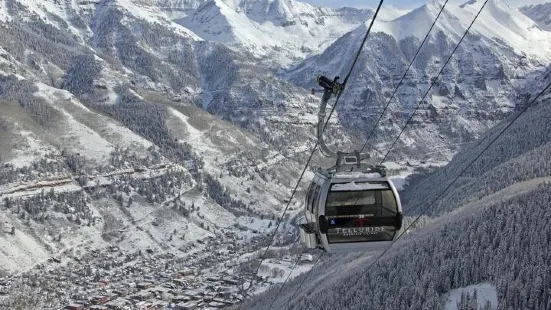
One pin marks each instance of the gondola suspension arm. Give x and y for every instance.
(330, 88)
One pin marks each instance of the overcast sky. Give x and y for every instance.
(407, 4)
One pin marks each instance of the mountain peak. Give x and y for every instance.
(279, 12)
(434, 5)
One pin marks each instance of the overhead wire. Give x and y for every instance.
(363, 43)
(428, 206)
(403, 77)
(434, 81)
(438, 197)
(292, 269)
(524, 109)
(287, 279)
(317, 142)
(280, 220)
(325, 125)
(381, 114)
(303, 280)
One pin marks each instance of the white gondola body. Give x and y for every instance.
(358, 237)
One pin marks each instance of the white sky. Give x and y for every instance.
(406, 4)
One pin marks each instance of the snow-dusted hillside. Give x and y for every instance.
(480, 85)
(133, 147)
(53, 126)
(81, 178)
(135, 44)
(540, 13)
(103, 150)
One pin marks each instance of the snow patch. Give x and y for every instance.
(65, 10)
(20, 251)
(31, 150)
(277, 272)
(111, 133)
(486, 292)
(129, 138)
(192, 132)
(390, 13)
(353, 186)
(4, 17)
(88, 142)
(256, 226)
(154, 16)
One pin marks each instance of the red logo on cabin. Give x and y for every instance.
(361, 221)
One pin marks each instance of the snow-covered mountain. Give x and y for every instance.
(479, 86)
(540, 13)
(282, 31)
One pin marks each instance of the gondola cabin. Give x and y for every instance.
(351, 211)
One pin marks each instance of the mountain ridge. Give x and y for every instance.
(282, 31)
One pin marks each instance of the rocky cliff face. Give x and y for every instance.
(540, 14)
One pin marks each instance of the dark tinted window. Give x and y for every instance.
(310, 196)
(358, 214)
(316, 198)
(368, 203)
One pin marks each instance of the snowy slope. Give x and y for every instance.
(389, 13)
(540, 14)
(501, 21)
(3, 12)
(151, 14)
(178, 8)
(96, 118)
(74, 128)
(232, 158)
(485, 292)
